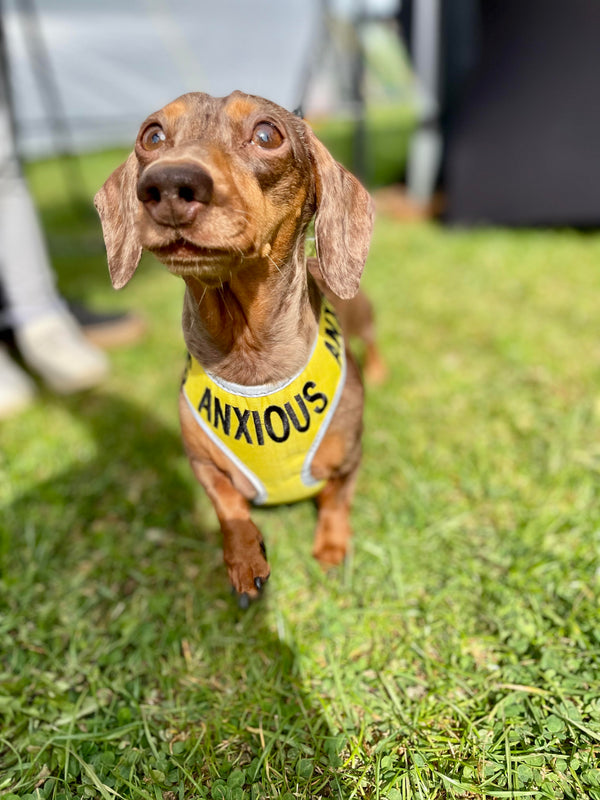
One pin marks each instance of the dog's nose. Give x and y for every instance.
(173, 194)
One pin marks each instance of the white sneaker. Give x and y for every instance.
(16, 388)
(55, 347)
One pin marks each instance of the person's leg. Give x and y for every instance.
(46, 335)
(28, 283)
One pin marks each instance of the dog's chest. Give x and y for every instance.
(271, 433)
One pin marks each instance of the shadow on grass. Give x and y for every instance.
(125, 662)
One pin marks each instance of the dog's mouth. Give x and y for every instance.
(183, 256)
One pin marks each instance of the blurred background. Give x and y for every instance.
(85, 75)
(484, 109)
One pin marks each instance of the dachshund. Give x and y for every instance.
(222, 192)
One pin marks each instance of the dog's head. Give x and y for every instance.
(214, 183)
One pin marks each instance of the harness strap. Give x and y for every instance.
(272, 432)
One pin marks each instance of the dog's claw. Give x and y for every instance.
(244, 599)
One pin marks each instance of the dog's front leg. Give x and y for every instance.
(243, 547)
(333, 532)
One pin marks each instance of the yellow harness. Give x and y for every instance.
(272, 432)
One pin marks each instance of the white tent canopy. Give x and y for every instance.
(114, 62)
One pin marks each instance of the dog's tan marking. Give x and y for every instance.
(240, 108)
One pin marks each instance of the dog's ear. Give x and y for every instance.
(117, 205)
(343, 222)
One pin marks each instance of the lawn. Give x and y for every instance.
(457, 652)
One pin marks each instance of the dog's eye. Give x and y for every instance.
(267, 136)
(153, 137)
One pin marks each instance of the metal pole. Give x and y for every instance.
(51, 98)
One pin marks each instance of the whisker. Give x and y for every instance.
(275, 264)
(243, 213)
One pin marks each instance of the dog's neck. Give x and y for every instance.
(257, 328)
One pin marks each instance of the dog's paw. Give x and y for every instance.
(332, 539)
(245, 557)
(329, 554)
(248, 580)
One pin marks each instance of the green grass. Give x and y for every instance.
(455, 655)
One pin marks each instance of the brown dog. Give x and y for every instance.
(222, 191)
